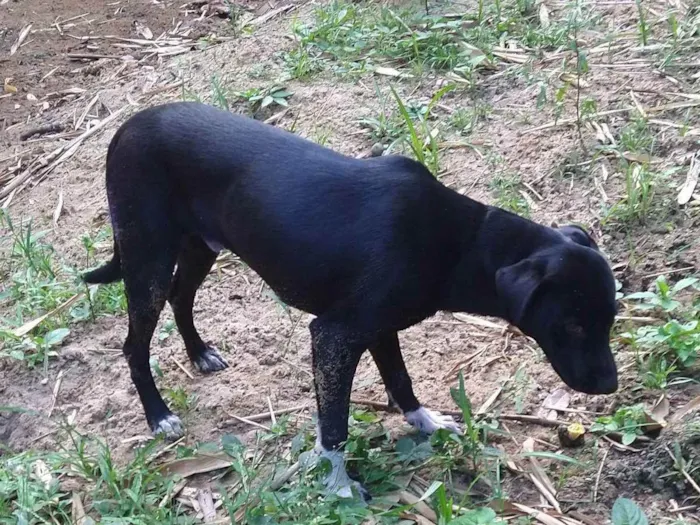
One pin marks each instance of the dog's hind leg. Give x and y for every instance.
(193, 265)
(148, 258)
(386, 353)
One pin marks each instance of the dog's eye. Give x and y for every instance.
(574, 329)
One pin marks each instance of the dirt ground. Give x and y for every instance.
(268, 349)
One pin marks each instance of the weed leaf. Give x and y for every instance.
(627, 512)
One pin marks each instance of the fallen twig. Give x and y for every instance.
(56, 390)
(181, 367)
(54, 127)
(266, 415)
(597, 477)
(249, 422)
(92, 56)
(376, 405)
(20, 39)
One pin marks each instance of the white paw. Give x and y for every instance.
(169, 427)
(428, 421)
(337, 481)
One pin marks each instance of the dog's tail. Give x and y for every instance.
(108, 273)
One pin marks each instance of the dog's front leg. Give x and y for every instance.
(336, 353)
(386, 353)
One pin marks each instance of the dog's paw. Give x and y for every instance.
(170, 427)
(428, 421)
(209, 360)
(352, 489)
(337, 481)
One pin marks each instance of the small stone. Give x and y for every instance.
(377, 149)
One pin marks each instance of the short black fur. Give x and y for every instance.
(370, 247)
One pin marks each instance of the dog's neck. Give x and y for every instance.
(502, 239)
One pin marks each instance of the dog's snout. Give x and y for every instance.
(607, 383)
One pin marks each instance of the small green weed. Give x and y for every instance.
(672, 346)
(168, 328)
(636, 136)
(300, 63)
(423, 140)
(636, 205)
(180, 400)
(219, 94)
(467, 120)
(507, 189)
(261, 98)
(643, 26)
(628, 421)
(663, 298)
(627, 512)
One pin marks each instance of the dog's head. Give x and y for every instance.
(564, 297)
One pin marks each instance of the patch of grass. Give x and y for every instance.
(33, 486)
(507, 189)
(32, 491)
(636, 205)
(467, 120)
(36, 282)
(674, 345)
(358, 37)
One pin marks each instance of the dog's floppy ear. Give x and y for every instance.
(578, 235)
(516, 285)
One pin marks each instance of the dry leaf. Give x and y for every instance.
(559, 399)
(690, 406)
(420, 506)
(21, 38)
(574, 80)
(642, 158)
(691, 182)
(387, 71)
(206, 505)
(516, 58)
(599, 134)
(656, 419)
(539, 476)
(606, 130)
(661, 409)
(417, 518)
(9, 88)
(77, 511)
(477, 321)
(200, 464)
(42, 473)
(143, 30)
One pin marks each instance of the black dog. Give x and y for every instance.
(370, 247)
